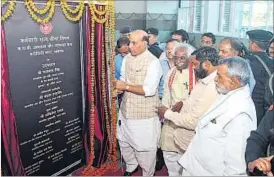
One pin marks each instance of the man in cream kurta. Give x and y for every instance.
(178, 85)
(200, 99)
(138, 129)
(218, 147)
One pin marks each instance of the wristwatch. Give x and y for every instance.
(127, 87)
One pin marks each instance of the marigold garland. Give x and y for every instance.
(79, 9)
(99, 12)
(71, 10)
(72, 14)
(3, 2)
(41, 11)
(9, 11)
(112, 68)
(94, 12)
(32, 9)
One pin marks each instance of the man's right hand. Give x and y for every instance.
(177, 107)
(263, 164)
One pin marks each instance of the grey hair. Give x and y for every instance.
(237, 67)
(179, 46)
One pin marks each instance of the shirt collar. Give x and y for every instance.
(209, 78)
(243, 90)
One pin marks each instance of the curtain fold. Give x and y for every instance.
(8, 124)
(100, 130)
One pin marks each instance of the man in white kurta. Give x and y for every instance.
(175, 141)
(218, 147)
(178, 85)
(138, 127)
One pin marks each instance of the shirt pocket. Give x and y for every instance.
(180, 91)
(136, 74)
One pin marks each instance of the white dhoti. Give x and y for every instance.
(138, 140)
(171, 161)
(185, 173)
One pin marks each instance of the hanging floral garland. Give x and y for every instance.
(33, 11)
(112, 69)
(9, 11)
(73, 14)
(3, 2)
(41, 11)
(95, 12)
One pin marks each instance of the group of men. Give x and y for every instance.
(198, 106)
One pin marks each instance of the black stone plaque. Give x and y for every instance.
(46, 91)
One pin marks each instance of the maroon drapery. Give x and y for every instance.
(8, 124)
(100, 135)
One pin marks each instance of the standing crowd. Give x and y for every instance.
(199, 112)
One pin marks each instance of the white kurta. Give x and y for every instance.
(139, 138)
(218, 147)
(140, 133)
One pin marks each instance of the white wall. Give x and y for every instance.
(213, 17)
(131, 6)
(165, 7)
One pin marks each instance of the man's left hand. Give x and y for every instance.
(162, 111)
(120, 85)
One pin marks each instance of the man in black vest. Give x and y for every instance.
(262, 67)
(260, 145)
(153, 44)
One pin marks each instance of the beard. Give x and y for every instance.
(221, 90)
(200, 73)
(181, 66)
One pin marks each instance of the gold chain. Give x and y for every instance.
(36, 17)
(79, 9)
(41, 11)
(9, 11)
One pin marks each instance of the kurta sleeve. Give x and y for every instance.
(152, 78)
(238, 130)
(123, 70)
(194, 107)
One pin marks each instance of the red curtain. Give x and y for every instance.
(8, 124)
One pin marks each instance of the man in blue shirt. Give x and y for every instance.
(122, 48)
(167, 63)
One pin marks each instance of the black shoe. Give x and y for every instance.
(130, 173)
(159, 165)
(160, 160)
